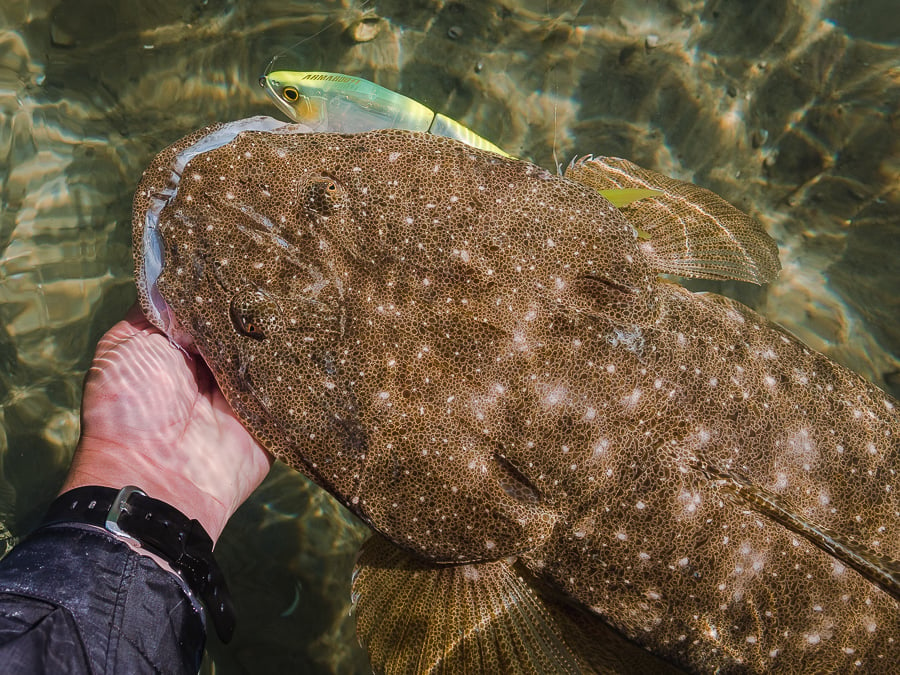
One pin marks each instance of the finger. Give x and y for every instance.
(136, 318)
(135, 314)
(133, 323)
(206, 382)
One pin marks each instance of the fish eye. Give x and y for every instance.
(290, 94)
(322, 195)
(246, 323)
(329, 187)
(252, 312)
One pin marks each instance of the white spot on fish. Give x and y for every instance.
(632, 340)
(555, 395)
(803, 448)
(690, 501)
(632, 399)
(462, 254)
(600, 448)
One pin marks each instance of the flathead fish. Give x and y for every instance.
(564, 454)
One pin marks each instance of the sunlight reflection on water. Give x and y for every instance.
(773, 106)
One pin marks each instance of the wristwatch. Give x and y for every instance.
(161, 529)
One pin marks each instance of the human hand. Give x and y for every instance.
(153, 416)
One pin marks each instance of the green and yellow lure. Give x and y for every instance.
(348, 104)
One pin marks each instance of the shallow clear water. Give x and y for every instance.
(787, 109)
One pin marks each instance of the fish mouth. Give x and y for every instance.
(151, 247)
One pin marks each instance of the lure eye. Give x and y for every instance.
(290, 94)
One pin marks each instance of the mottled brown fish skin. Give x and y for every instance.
(475, 357)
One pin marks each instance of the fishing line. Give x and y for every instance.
(554, 82)
(555, 86)
(556, 161)
(301, 41)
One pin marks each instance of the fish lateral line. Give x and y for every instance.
(881, 570)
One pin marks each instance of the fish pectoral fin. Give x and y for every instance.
(877, 568)
(419, 617)
(491, 617)
(685, 230)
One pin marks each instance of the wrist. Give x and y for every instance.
(180, 542)
(115, 466)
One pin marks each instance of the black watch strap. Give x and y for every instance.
(161, 529)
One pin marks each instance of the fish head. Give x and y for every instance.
(302, 267)
(224, 273)
(295, 101)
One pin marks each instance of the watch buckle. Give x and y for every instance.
(119, 506)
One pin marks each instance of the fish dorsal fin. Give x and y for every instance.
(690, 231)
(419, 617)
(877, 568)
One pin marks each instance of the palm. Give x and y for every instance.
(143, 390)
(153, 415)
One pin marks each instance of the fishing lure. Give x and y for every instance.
(347, 104)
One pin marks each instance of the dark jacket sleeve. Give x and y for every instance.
(75, 599)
